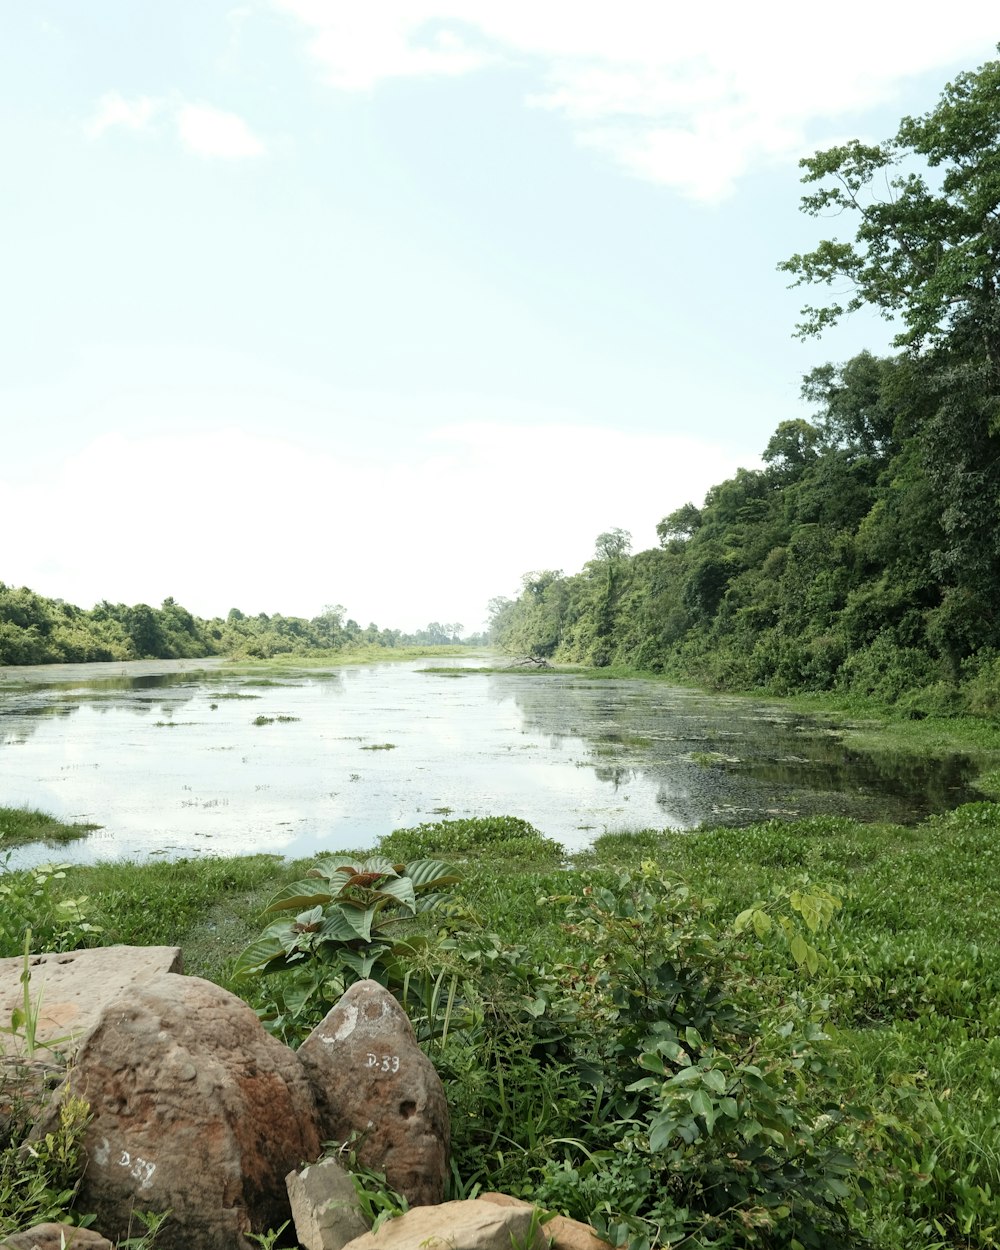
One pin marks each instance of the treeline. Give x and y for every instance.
(865, 556)
(37, 630)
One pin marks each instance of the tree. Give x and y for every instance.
(793, 445)
(929, 249)
(679, 525)
(612, 545)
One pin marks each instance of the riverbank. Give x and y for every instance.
(904, 979)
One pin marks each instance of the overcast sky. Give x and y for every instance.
(386, 303)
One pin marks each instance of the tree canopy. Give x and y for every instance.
(927, 207)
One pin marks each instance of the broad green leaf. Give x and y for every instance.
(360, 919)
(715, 1081)
(660, 1134)
(399, 890)
(298, 992)
(429, 874)
(311, 918)
(686, 1076)
(743, 919)
(337, 927)
(799, 949)
(264, 950)
(652, 1063)
(362, 962)
(297, 897)
(673, 1051)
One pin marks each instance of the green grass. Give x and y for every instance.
(19, 825)
(909, 970)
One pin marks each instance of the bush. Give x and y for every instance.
(33, 900)
(703, 1111)
(504, 837)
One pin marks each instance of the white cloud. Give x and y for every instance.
(114, 111)
(363, 45)
(213, 132)
(200, 128)
(691, 97)
(229, 519)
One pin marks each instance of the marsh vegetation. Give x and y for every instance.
(777, 1035)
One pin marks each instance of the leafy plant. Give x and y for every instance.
(268, 1240)
(38, 1179)
(151, 1222)
(376, 1197)
(346, 914)
(31, 899)
(721, 1119)
(24, 1019)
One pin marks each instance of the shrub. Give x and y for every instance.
(32, 899)
(345, 913)
(703, 1111)
(504, 837)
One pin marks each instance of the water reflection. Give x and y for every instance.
(174, 761)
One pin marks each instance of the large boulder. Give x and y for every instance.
(196, 1111)
(374, 1085)
(69, 990)
(561, 1232)
(465, 1225)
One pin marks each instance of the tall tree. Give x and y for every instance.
(927, 204)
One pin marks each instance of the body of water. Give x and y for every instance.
(173, 759)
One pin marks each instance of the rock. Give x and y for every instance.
(70, 990)
(196, 1110)
(559, 1230)
(325, 1207)
(372, 1079)
(55, 1237)
(466, 1225)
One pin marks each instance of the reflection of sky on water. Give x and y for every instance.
(168, 764)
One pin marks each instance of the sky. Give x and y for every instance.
(387, 304)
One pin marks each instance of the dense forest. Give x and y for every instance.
(36, 630)
(865, 556)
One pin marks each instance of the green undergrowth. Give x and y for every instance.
(786, 1035)
(503, 837)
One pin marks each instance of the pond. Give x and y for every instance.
(176, 758)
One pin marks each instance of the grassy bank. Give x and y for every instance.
(536, 970)
(19, 825)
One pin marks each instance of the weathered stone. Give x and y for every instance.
(55, 1237)
(70, 990)
(196, 1110)
(560, 1231)
(466, 1225)
(326, 1210)
(372, 1080)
